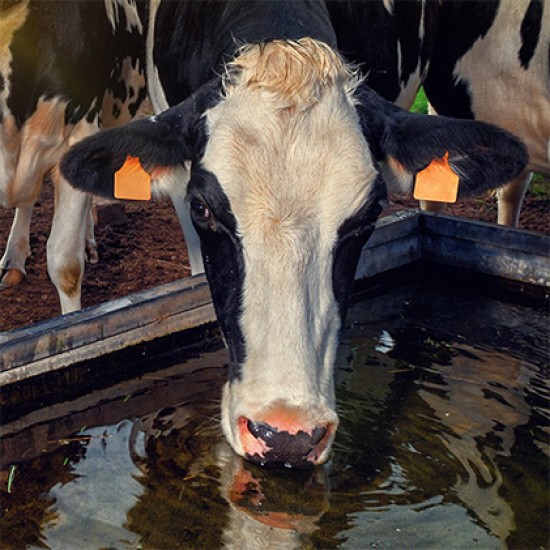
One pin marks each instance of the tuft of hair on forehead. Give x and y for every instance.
(295, 73)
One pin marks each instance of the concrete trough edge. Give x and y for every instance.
(398, 240)
(394, 243)
(513, 254)
(109, 327)
(179, 322)
(486, 234)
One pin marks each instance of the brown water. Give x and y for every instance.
(443, 443)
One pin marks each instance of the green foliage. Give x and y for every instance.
(420, 104)
(540, 186)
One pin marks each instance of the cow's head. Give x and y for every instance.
(285, 185)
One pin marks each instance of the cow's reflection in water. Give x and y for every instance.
(199, 493)
(270, 508)
(447, 448)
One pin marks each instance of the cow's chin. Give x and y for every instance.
(278, 434)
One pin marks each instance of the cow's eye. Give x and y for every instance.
(200, 210)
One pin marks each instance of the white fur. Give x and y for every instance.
(388, 4)
(72, 224)
(133, 21)
(292, 177)
(154, 87)
(396, 177)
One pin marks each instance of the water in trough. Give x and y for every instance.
(443, 442)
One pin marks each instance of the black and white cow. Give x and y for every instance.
(491, 62)
(59, 62)
(280, 153)
(484, 60)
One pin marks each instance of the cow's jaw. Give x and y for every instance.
(294, 167)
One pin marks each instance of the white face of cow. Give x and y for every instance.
(290, 157)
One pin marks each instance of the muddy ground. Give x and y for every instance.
(145, 248)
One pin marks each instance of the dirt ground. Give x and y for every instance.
(146, 249)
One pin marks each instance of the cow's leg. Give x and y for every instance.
(177, 190)
(91, 245)
(190, 235)
(510, 198)
(72, 230)
(432, 206)
(177, 193)
(12, 264)
(66, 243)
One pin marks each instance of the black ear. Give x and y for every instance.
(483, 156)
(160, 142)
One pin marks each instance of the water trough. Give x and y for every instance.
(399, 240)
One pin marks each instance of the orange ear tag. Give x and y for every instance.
(132, 182)
(437, 182)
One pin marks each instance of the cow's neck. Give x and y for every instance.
(203, 36)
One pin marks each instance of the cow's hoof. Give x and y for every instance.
(12, 277)
(91, 255)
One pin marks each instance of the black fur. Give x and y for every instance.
(460, 24)
(483, 155)
(193, 39)
(66, 50)
(530, 32)
(352, 237)
(166, 140)
(223, 261)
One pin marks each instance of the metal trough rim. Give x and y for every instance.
(399, 239)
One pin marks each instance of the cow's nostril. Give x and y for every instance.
(283, 448)
(317, 435)
(261, 430)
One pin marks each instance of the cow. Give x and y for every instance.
(59, 65)
(280, 153)
(491, 62)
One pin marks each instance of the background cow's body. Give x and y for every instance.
(391, 41)
(485, 60)
(58, 61)
(491, 62)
